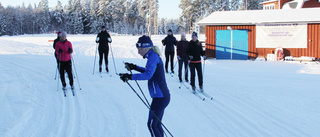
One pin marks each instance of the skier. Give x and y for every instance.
(54, 45)
(103, 38)
(194, 51)
(182, 56)
(154, 73)
(63, 51)
(169, 42)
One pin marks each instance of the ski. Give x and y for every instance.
(205, 94)
(64, 92)
(72, 92)
(196, 94)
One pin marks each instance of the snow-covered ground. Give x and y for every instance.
(251, 98)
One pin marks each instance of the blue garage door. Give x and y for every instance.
(240, 44)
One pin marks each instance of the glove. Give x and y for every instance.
(204, 57)
(69, 50)
(191, 57)
(109, 40)
(125, 76)
(130, 66)
(60, 51)
(97, 40)
(178, 57)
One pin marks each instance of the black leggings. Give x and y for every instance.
(171, 55)
(66, 66)
(193, 67)
(158, 106)
(106, 53)
(185, 62)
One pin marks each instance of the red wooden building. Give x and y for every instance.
(253, 23)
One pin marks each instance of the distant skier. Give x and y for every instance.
(182, 56)
(54, 45)
(64, 50)
(169, 41)
(154, 73)
(194, 51)
(103, 38)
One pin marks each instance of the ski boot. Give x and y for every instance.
(100, 69)
(72, 87)
(180, 79)
(201, 89)
(107, 69)
(194, 90)
(64, 88)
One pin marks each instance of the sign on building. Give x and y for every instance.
(290, 35)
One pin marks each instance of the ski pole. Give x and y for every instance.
(113, 60)
(204, 64)
(175, 64)
(149, 108)
(141, 91)
(76, 72)
(95, 56)
(59, 65)
(56, 73)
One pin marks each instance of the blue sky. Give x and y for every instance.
(167, 8)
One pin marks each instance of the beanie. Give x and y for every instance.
(144, 42)
(169, 30)
(183, 34)
(195, 34)
(63, 34)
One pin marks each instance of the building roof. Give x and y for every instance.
(252, 17)
(269, 1)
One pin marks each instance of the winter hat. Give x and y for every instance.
(144, 42)
(169, 30)
(59, 32)
(63, 34)
(195, 34)
(103, 27)
(183, 34)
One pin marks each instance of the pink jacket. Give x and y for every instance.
(65, 55)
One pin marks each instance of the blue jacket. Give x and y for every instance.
(154, 73)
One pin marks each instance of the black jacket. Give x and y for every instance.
(169, 42)
(55, 42)
(195, 49)
(182, 48)
(103, 41)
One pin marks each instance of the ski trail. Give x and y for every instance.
(265, 115)
(64, 115)
(75, 116)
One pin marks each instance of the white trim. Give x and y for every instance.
(269, 1)
(252, 17)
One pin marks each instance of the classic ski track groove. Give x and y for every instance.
(268, 116)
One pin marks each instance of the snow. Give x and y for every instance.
(251, 98)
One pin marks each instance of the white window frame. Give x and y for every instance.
(270, 7)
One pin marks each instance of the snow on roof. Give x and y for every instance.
(268, 1)
(252, 17)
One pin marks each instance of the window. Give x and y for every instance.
(269, 7)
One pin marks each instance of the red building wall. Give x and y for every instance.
(311, 4)
(312, 50)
